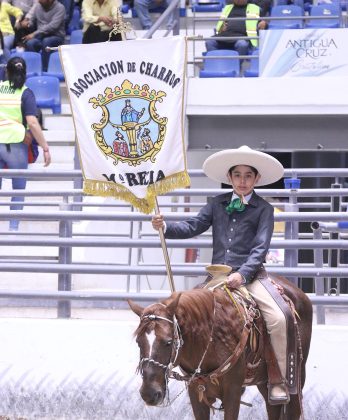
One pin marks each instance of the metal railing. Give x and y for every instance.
(65, 240)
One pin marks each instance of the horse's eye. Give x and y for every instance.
(169, 343)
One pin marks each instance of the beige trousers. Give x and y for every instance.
(275, 321)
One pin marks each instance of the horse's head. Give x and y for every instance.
(159, 340)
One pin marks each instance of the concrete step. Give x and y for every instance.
(58, 122)
(59, 153)
(54, 166)
(60, 136)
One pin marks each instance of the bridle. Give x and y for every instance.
(178, 342)
(197, 376)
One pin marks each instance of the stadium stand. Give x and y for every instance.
(283, 12)
(55, 67)
(33, 61)
(221, 67)
(207, 6)
(324, 10)
(253, 69)
(47, 92)
(76, 36)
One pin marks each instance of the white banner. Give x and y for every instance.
(304, 52)
(127, 102)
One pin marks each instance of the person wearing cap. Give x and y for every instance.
(242, 226)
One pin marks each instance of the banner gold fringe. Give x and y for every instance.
(145, 205)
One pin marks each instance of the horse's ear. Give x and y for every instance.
(174, 303)
(137, 309)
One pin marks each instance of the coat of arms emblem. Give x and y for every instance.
(130, 130)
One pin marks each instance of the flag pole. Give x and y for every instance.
(165, 252)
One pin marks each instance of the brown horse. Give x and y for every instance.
(198, 330)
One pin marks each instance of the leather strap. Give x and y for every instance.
(278, 295)
(273, 371)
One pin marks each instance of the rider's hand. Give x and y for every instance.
(234, 280)
(157, 221)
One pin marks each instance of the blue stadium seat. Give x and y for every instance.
(32, 60)
(76, 36)
(253, 70)
(47, 92)
(286, 11)
(341, 3)
(54, 67)
(182, 11)
(223, 67)
(207, 5)
(324, 10)
(75, 22)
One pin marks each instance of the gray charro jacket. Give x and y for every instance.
(240, 240)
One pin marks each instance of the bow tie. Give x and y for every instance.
(235, 205)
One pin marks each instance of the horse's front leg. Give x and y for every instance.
(232, 391)
(200, 410)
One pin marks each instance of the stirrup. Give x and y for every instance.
(284, 399)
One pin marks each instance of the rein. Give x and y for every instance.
(197, 376)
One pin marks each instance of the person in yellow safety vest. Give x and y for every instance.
(17, 110)
(238, 27)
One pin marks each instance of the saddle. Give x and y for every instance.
(260, 358)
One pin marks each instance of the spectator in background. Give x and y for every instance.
(25, 6)
(6, 11)
(143, 7)
(237, 28)
(18, 109)
(46, 23)
(98, 18)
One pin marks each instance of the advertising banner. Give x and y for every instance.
(304, 52)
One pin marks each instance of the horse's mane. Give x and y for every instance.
(198, 309)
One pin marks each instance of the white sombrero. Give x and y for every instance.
(217, 165)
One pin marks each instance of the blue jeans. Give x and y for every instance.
(15, 156)
(142, 8)
(39, 43)
(3, 60)
(8, 41)
(241, 45)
